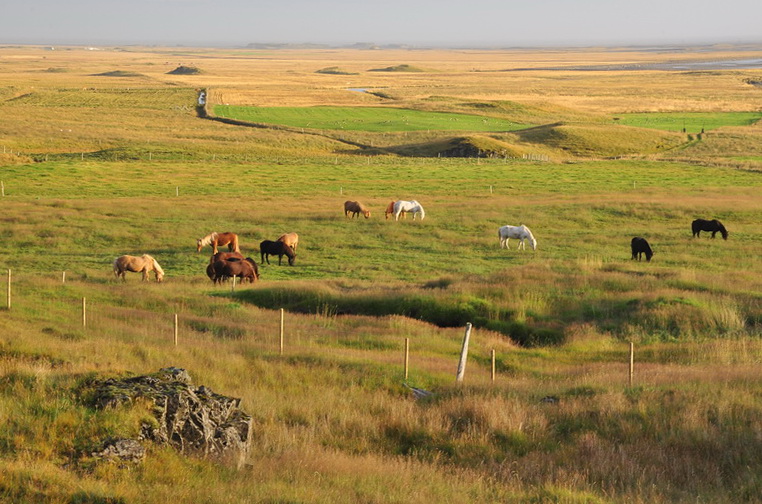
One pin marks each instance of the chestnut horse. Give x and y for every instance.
(290, 239)
(142, 264)
(222, 269)
(390, 210)
(355, 208)
(218, 239)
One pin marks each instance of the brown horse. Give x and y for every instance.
(226, 256)
(218, 240)
(142, 264)
(355, 208)
(290, 239)
(390, 210)
(221, 270)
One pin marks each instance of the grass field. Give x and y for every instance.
(373, 119)
(691, 122)
(94, 166)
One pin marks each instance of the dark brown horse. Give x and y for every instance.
(712, 226)
(355, 208)
(268, 248)
(245, 269)
(218, 240)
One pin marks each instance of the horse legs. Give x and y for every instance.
(280, 258)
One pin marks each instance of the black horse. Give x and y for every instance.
(268, 248)
(700, 225)
(639, 247)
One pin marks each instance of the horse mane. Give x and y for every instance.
(723, 231)
(157, 267)
(207, 240)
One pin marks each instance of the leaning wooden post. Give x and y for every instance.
(63, 277)
(493, 365)
(84, 312)
(232, 287)
(9, 289)
(632, 361)
(463, 354)
(176, 329)
(407, 357)
(282, 316)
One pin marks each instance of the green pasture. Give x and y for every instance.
(372, 119)
(692, 122)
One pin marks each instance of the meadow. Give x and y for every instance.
(104, 153)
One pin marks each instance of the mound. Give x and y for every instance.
(119, 73)
(398, 68)
(470, 146)
(600, 140)
(185, 70)
(334, 71)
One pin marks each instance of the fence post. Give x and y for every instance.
(463, 354)
(282, 316)
(232, 287)
(9, 288)
(407, 357)
(63, 277)
(632, 361)
(493, 365)
(176, 328)
(84, 312)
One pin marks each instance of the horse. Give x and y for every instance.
(222, 269)
(714, 225)
(519, 232)
(408, 206)
(390, 210)
(639, 247)
(218, 239)
(142, 264)
(268, 248)
(290, 239)
(226, 256)
(355, 208)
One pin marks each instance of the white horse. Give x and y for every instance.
(519, 232)
(408, 206)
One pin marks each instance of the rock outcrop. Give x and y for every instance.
(194, 420)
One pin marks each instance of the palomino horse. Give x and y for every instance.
(290, 239)
(714, 226)
(519, 232)
(640, 246)
(268, 248)
(355, 208)
(408, 206)
(218, 240)
(142, 264)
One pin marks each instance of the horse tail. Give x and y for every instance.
(117, 268)
(235, 243)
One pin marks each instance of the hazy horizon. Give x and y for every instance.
(422, 23)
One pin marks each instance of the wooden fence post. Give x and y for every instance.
(84, 312)
(282, 316)
(9, 288)
(407, 357)
(177, 329)
(493, 365)
(463, 354)
(632, 361)
(63, 277)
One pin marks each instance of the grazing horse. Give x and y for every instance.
(268, 248)
(355, 208)
(521, 233)
(408, 206)
(218, 239)
(290, 239)
(222, 269)
(639, 247)
(390, 210)
(142, 264)
(226, 256)
(700, 225)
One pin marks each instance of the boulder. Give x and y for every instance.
(195, 421)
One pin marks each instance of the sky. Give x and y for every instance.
(425, 23)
